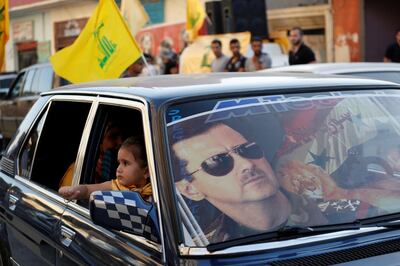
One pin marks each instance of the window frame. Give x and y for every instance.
(44, 112)
(141, 106)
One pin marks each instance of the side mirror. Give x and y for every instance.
(125, 211)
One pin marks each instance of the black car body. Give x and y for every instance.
(39, 227)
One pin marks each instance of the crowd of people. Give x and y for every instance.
(299, 53)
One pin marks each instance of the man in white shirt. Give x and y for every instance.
(220, 61)
(259, 60)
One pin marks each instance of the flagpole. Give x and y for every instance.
(147, 66)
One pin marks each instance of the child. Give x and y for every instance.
(132, 174)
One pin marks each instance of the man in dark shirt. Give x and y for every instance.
(299, 53)
(393, 51)
(237, 62)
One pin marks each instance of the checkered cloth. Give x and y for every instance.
(125, 211)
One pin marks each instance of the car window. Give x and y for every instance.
(42, 81)
(112, 126)
(250, 165)
(28, 82)
(53, 143)
(19, 81)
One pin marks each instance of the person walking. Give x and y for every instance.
(299, 53)
(259, 60)
(393, 51)
(221, 60)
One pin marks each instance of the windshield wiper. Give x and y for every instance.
(288, 232)
(285, 232)
(388, 220)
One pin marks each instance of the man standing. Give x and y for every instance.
(237, 62)
(220, 61)
(393, 51)
(299, 53)
(259, 60)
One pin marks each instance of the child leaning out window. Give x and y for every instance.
(132, 174)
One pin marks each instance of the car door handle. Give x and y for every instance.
(12, 202)
(67, 236)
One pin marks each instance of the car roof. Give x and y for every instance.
(173, 87)
(36, 66)
(338, 68)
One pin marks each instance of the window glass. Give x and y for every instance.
(43, 80)
(251, 165)
(113, 125)
(53, 143)
(28, 82)
(18, 85)
(28, 152)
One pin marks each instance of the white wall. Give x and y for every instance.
(174, 11)
(40, 21)
(68, 12)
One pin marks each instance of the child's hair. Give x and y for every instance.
(136, 145)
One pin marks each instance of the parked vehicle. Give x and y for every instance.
(382, 71)
(246, 169)
(24, 91)
(6, 78)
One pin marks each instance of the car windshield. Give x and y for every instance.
(247, 166)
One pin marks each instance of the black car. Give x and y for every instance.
(246, 169)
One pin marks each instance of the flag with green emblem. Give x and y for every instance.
(195, 16)
(103, 50)
(4, 30)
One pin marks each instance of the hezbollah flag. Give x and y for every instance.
(195, 16)
(103, 50)
(4, 22)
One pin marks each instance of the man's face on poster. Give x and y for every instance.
(248, 180)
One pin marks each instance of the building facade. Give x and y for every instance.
(39, 28)
(337, 30)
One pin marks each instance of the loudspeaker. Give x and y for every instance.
(245, 15)
(213, 10)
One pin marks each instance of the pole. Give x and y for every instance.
(147, 65)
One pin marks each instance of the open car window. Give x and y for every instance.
(53, 142)
(252, 165)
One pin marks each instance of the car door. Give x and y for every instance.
(31, 206)
(81, 239)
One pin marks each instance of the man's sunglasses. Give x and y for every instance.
(222, 164)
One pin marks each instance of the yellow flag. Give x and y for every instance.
(195, 16)
(4, 29)
(103, 50)
(135, 15)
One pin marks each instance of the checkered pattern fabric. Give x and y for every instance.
(125, 211)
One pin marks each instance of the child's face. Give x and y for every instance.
(129, 171)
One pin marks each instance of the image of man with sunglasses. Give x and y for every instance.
(218, 164)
